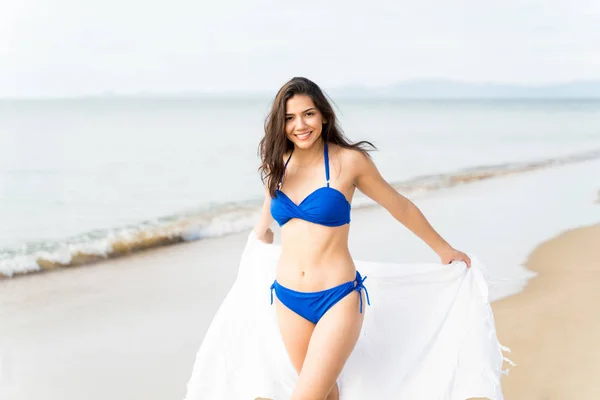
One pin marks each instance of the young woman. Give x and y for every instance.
(429, 333)
(311, 172)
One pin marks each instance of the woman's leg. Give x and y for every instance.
(295, 332)
(331, 343)
(334, 394)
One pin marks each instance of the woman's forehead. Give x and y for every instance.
(299, 103)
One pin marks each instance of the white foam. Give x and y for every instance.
(19, 265)
(222, 224)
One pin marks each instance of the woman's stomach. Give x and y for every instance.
(314, 257)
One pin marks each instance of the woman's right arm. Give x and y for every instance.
(263, 227)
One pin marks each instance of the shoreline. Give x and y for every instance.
(123, 242)
(552, 327)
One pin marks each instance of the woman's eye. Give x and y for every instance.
(310, 114)
(288, 118)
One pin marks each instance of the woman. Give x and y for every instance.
(310, 197)
(430, 333)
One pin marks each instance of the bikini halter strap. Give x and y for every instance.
(284, 167)
(326, 153)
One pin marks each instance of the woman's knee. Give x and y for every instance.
(334, 394)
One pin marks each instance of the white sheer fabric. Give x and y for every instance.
(429, 334)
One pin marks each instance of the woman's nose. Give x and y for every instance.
(300, 123)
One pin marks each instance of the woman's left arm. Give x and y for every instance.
(370, 182)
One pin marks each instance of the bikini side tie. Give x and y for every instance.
(360, 286)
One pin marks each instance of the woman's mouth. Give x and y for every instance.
(303, 136)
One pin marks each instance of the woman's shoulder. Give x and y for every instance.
(347, 155)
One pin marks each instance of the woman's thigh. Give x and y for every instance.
(295, 332)
(331, 343)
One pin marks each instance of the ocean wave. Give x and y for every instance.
(218, 221)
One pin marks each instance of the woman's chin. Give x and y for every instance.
(307, 143)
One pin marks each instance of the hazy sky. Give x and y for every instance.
(74, 47)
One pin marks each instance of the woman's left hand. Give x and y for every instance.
(452, 254)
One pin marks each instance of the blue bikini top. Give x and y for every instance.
(325, 206)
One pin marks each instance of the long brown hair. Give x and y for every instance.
(275, 143)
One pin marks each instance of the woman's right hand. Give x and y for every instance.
(266, 236)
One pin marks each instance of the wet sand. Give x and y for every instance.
(553, 327)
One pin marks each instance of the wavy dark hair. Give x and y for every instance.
(275, 143)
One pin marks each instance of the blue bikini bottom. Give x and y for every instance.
(313, 305)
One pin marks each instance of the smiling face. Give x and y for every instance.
(303, 121)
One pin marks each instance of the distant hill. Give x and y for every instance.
(445, 89)
(412, 89)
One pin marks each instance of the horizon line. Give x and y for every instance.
(259, 93)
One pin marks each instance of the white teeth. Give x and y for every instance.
(303, 136)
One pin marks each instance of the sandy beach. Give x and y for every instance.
(130, 328)
(553, 326)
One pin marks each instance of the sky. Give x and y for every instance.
(74, 47)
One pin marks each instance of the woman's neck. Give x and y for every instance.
(305, 157)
